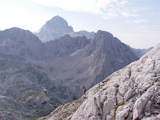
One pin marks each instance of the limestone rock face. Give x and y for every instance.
(132, 93)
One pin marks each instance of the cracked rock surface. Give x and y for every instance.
(132, 93)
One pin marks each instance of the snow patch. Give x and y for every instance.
(73, 54)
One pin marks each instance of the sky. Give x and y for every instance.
(134, 22)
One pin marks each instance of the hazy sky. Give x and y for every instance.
(134, 22)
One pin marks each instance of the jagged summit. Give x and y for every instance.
(53, 29)
(132, 93)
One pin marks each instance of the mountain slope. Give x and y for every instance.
(108, 52)
(130, 93)
(53, 29)
(90, 64)
(21, 43)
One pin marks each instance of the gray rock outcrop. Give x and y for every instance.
(132, 93)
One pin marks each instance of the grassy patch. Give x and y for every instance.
(66, 106)
(117, 107)
(78, 101)
(105, 81)
(59, 110)
(67, 114)
(75, 110)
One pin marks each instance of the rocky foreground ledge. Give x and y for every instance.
(132, 93)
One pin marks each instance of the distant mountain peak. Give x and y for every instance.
(53, 29)
(58, 21)
(57, 17)
(57, 27)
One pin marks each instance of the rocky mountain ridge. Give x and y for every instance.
(131, 93)
(58, 27)
(94, 62)
(42, 76)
